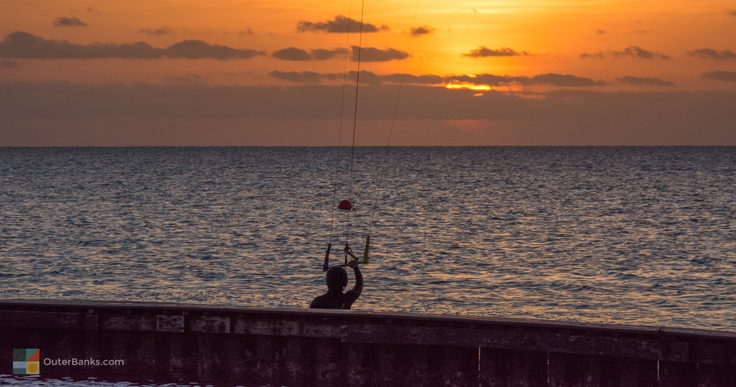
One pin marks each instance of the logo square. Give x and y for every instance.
(26, 361)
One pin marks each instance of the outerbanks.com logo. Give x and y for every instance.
(83, 362)
(27, 361)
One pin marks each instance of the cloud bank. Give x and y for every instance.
(422, 30)
(485, 52)
(294, 53)
(340, 24)
(628, 52)
(368, 77)
(709, 53)
(25, 45)
(372, 54)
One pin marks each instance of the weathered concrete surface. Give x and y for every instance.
(295, 347)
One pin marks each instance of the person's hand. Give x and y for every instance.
(349, 252)
(353, 263)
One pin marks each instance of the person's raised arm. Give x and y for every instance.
(358, 288)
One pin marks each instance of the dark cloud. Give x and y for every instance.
(631, 52)
(709, 53)
(421, 30)
(68, 22)
(91, 10)
(25, 45)
(725, 76)
(593, 55)
(247, 31)
(550, 79)
(293, 53)
(426, 79)
(156, 31)
(372, 54)
(600, 32)
(644, 81)
(483, 52)
(638, 52)
(197, 49)
(366, 77)
(322, 54)
(9, 63)
(731, 12)
(340, 24)
(561, 80)
(76, 114)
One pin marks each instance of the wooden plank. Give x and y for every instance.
(424, 366)
(169, 355)
(517, 339)
(209, 324)
(503, 367)
(621, 372)
(250, 325)
(90, 320)
(459, 366)
(140, 353)
(566, 370)
(212, 358)
(269, 360)
(716, 376)
(713, 353)
(242, 359)
(39, 319)
(169, 323)
(300, 361)
(127, 322)
(677, 374)
(391, 363)
(361, 362)
(331, 362)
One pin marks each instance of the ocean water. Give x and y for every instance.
(639, 235)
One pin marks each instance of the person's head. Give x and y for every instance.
(337, 279)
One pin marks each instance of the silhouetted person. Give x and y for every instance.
(337, 280)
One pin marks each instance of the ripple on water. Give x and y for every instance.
(621, 235)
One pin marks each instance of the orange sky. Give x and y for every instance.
(602, 46)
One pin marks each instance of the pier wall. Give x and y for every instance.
(293, 347)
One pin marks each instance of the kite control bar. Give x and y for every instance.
(348, 252)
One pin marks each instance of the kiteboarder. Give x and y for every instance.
(337, 280)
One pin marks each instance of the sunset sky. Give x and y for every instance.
(227, 72)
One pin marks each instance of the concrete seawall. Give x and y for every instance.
(292, 347)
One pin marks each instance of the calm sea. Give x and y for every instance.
(641, 235)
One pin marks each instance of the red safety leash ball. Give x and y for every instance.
(345, 205)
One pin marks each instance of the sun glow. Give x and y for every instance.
(468, 86)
